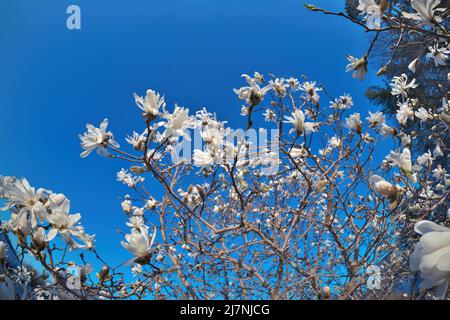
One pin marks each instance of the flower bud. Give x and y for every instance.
(137, 169)
(103, 274)
(2, 250)
(381, 71)
(325, 292)
(320, 186)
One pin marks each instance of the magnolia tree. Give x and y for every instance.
(294, 206)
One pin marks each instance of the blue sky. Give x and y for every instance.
(53, 80)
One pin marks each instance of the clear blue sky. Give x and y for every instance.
(53, 81)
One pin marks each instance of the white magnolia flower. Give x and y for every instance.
(136, 270)
(297, 120)
(139, 244)
(202, 158)
(437, 152)
(334, 142)
(97, 138)
(426, 11)
(402, 161)
(371, 13)
(137, 140)
(383, 187)
(358, 66)
(39, 239)
(404, 113)
(126, 206)
(413, 65)
(376, 119)
(298, 152)
(309, 87)
(431, 256)
(63, 221)
(343, 103)
(293, 83)
(425, 159)
(136, 222)
(387, 131)
(353, 122)
(178, 123)
(438, 55)
(400, 85)
(252, 94)
(279, 86)
(269, 115)
(151, 104)
(27, 200)
(128, 179)
(423, 114)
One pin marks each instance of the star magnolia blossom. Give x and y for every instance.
(97, 138)
(426, 11)
(431, 256)
(178, 123)
(371, 12)
(438, 55)
(309, 87)
(151, 104)
(353, 122)
(297, 119)
(202, 158)
(139, 244)
(383, 187)
(252, 94)
(376, 119)
(21, 195)
(358, 66)
(403, 161)
(400, 85)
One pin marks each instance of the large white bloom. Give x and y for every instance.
(309, 87)
(178, 122)
(97, 138)
(426, 11)
(39, 239)
(400, 85)
(402, 161)
(404, 112)
(438, 55)
(139, 243)
(297, 119)
(353, 122)
(27, 202)
(371, 13)
(358, 66)
(383, 187)
(150, 104)
(423, 114)
(202, 158)
(431, 256)
(376, 119)
(253, 94)
(66, 223)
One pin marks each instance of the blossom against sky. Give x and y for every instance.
(54, 80)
